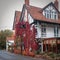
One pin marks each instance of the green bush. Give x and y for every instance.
(51, 54)
(37, 52)
(58, 55)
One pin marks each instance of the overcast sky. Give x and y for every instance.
(8, 8)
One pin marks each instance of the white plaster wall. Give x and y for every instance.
(38, 32)
(25, 16)
(59, 32)
(49, 32)
(30, 19)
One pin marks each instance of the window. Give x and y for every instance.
(22, 26)
(36, 32)
(50, 14)
(56, 31)
(54, 16)
(43, 31)
(47, 15)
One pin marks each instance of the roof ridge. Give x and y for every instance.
(36, 7)
(32, 6)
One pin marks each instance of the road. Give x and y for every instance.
(4, 55)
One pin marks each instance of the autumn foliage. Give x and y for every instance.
(27, 37)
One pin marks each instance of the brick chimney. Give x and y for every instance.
(56, 3)
(27, 2)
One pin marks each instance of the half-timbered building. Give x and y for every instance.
(46, 21)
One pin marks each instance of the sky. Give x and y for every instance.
(8, 8)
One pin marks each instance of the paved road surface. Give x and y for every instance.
(4, 55)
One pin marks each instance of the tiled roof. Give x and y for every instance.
(36, 13)
(16, 18)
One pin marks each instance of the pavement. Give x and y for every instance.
(4, 55)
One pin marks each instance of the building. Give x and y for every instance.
(46, 21)
(10, 42)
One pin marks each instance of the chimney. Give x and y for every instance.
(27, 2)
(56, 3)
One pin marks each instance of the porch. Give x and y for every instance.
(51, 45)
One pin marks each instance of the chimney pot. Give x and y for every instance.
(27, 2)
(56, 3)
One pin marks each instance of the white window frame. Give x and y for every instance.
(50, 13)
(56, 31)
(43, 31)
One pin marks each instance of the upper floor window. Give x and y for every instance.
(50, 14)
(43, 31)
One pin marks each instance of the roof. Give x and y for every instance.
(16, 18)
(10, 38)
(36, 13)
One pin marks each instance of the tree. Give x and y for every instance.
(8, 33)
(3, 35)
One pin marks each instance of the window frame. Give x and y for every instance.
(50, 13)
(43, 31)
(56, 31)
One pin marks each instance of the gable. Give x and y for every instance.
(51, 6)
(50, 11)
(36, 14)
(25, 16)
(16, 18)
